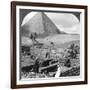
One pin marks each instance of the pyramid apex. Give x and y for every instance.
(41, 24)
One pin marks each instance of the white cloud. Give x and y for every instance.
(28, 17)
(73, 29)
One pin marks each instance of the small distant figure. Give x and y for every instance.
(68, 63)
(52, 43)
(36, 66)
(58, 72)
(47, 55)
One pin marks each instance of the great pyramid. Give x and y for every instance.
(41, 24)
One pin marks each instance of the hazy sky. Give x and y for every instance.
(66, 22)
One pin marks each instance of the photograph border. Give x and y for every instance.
(13, 44)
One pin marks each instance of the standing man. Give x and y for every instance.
(36, 65)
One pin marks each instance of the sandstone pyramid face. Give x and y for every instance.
(41, 24)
